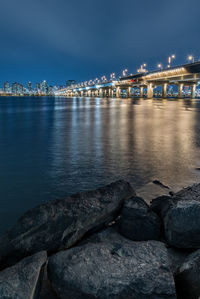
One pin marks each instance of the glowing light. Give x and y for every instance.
(191, 58)
(173, 56)
(124, 72)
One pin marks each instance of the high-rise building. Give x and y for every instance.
(29, 86)
(50, 91)
(6, 86)
(17, 88)
(37, 87)
(70, 82)
(44, 87)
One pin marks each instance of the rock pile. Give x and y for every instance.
(106, 243)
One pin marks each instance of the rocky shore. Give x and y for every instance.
(107, 243)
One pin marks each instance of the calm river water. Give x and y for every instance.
(52, 147)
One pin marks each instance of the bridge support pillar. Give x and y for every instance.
(149, 91)
(82, 93)
(164, 90)
(193, 91)
(141, 91)
(88, 93)
(112, 93)
(118, 92)
(180, 90)
(101, 92)
(129, 92)
(96, 93)
(109, 92)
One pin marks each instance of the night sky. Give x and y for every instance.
(58, 40)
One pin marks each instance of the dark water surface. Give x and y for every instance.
(52, 147)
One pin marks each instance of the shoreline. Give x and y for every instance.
(110, 229)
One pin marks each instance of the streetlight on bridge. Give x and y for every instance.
(124, 72)
(112, 77)
(191, 58)
(170, 60)
(142, 68)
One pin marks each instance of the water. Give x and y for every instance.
(52, 147)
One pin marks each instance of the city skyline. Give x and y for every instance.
(39, 88)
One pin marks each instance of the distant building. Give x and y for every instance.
(70, 82)
(44, 87)
(37, 87)
(50, 90)
(6, 87)
(17, 88)
(29, 86)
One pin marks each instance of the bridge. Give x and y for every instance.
(183, 75)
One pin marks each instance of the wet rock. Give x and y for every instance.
(180, 215)
(138, 221)
(161, 204)
(188, 277)
(182, 224)
(111, 266)
(61, 223)
(22, 281)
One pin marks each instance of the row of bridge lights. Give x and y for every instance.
(95, 81)
(141, 70)
(190, 58)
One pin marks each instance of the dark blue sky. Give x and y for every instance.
(58, 40)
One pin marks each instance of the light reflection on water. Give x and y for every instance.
(50, 148)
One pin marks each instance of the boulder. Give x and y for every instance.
(61, 223)
(22, 281)
(182, 224)
(188, 277)
(161, 204)
(181, 217)
(111, 266)
(138, 221)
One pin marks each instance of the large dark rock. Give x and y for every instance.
(182, 224)
(188, 277)
(181, 217)
(111, 266)
(61, 223)
(138, 221)
(161, 204)
(22, 281)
